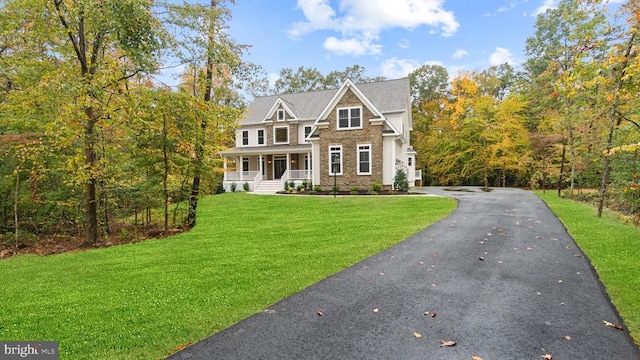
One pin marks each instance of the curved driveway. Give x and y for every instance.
(501, 277)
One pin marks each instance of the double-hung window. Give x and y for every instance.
(335, 160)
(245, 137)
(364, 159)
(307, 131)
(350, 118)
(260, 136)
(281, 116)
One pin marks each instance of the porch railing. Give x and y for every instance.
(299, 174)
(240, 175)
(285, 179)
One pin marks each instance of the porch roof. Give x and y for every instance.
(266, 150)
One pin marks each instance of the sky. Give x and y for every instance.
(389, 38)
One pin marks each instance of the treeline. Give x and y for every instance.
(569, 119)
(90, 139)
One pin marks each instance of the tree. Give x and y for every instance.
(311, 79)
(86, 52)
(214, 59)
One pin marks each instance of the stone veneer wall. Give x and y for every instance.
(350, 139)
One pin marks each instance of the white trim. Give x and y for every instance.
(332, 150)
(370, 172)
(284, 115)
(275, 128)
(304, 140)
(349, 119)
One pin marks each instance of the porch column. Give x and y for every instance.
(260, 165)
(224, 168)
(289, 164)
(241, 167)
(308, 165)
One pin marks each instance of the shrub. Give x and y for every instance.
(400, 181)
(300, 188)
(335, 189)
(291, 184)
(372, 192)
(306, 184)
(219, 188)
(317, 188)
(376, 187)
(245, 186)
(233, 187)
(354, 190)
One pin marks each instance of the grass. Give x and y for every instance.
(614, 250)
(144, 300)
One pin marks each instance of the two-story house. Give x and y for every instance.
(356, 135)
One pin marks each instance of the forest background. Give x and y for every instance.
(95, 151)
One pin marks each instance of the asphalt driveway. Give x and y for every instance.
(500, 277)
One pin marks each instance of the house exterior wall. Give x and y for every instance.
(349, 140)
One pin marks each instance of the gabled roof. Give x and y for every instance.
(386, 96)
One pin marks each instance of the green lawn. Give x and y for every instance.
(612, 247)
(140, 301)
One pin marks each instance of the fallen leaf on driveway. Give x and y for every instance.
(447, 343)
(319, 313)
(376, 310)
(421, 262)
(547, 357)
(610, 324)
(567, 337)
(417, 335)
(476, 357)
(481, 258)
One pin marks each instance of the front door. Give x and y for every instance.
(279, 167)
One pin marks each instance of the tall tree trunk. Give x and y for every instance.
(199, 153)
(91, 210)
(614, 122)
(15, 207)
(564, 152)
(165, 175)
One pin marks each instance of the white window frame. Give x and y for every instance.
(359, 151)
(258, 136)
(275, 132)
(281, 115)
(245, 138)
(336, 149)
(349, 119)
(304, 132)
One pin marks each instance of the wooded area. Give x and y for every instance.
(94, 146)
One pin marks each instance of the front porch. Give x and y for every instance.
(243, 166)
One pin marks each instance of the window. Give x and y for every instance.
(281, 115)
(281, 135)
(245, 165)
(307, 131)
(335, 160)
(364, 159)
(261, 137)
(349, 118)
(410, 161)
(245, 137)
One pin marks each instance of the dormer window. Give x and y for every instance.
(280, 115)
(350, 118)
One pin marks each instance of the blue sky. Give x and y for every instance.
(388, 37)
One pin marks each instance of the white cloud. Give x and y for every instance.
(364, 20)
(501, 56)
(511, 5)
(354, 47)
(459, 54)
(395, 68)
(404, 44)
(547, 4)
